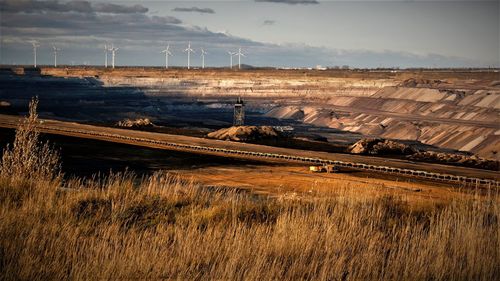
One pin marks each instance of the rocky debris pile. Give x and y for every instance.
(137, 123)
(246, 133)
(375, 146)
(425, 83)
(471, 161)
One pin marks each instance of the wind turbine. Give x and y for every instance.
(231, 54)
(55, 54)
(189, 51)
(106, 50)
(203, 53)
(239, 54)
(113, 51)
(35, 46)
(167, 53)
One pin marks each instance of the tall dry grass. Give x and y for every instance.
(160, 227)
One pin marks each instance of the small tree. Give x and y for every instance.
(29, 159)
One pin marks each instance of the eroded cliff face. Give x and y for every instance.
(456, 110)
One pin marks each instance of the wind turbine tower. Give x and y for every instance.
(35, 46)
(189, 51)
(239, 54)
(203, 53)
(55, 54)
(231, 54)
(113, 53)
(106, 50)
(167, 53)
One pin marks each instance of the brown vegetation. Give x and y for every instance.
(159, 227)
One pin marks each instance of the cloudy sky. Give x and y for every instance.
(284, 33)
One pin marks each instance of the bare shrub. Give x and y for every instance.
(28, 163)
(28, 158)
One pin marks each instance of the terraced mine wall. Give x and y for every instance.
(465, 119)
(457, 110)
(259, 82)
(249, 83)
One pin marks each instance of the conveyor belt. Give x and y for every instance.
(122, 138)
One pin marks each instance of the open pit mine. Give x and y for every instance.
(436, 115)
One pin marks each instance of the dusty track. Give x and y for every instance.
(458, 175)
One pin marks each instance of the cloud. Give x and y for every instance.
(78, 23)
(76, 26)
(119, 9)
(290, 2)
(194, 9)
(33, 6)
(269, 22)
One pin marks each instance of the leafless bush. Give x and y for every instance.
(28, 165)
(28, 158)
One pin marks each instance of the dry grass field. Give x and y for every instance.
(121, 226)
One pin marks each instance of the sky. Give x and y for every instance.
(276, 33)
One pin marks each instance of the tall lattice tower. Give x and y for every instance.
(239, 112)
